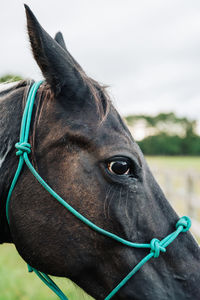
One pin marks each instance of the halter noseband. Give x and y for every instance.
(23, 149)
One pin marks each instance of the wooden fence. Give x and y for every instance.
(182, 189)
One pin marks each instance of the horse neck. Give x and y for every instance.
(11, 108)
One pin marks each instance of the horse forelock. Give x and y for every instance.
(100, 97)
(96, 93)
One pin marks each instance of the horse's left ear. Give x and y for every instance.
(54, 61)
(60, 40)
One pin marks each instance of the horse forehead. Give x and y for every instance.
(114, 131)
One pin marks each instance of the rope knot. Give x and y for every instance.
(156, 247)
(22, 148)
(185, 222)
(30, 269)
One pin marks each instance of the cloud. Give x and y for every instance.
(147, 51)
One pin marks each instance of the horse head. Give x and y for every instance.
(83, 149)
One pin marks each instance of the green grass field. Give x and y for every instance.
(182, 163)
(17, 284)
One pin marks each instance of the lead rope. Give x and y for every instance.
(24, 148)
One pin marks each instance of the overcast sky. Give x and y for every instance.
(148, 51)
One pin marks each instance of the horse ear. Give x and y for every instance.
(52, 59)
(60, 40)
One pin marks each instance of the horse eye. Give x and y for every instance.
(119, 167)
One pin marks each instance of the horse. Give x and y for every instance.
(83, 149)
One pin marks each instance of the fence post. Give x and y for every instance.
(190, 195)
(168, 187)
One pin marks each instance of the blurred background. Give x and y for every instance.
(148, 52)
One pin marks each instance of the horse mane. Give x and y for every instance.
(7, 87)
(97, 90)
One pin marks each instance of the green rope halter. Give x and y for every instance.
(23, 149)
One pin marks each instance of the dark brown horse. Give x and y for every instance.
(84, 151)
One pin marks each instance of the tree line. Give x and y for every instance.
(168, 134)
